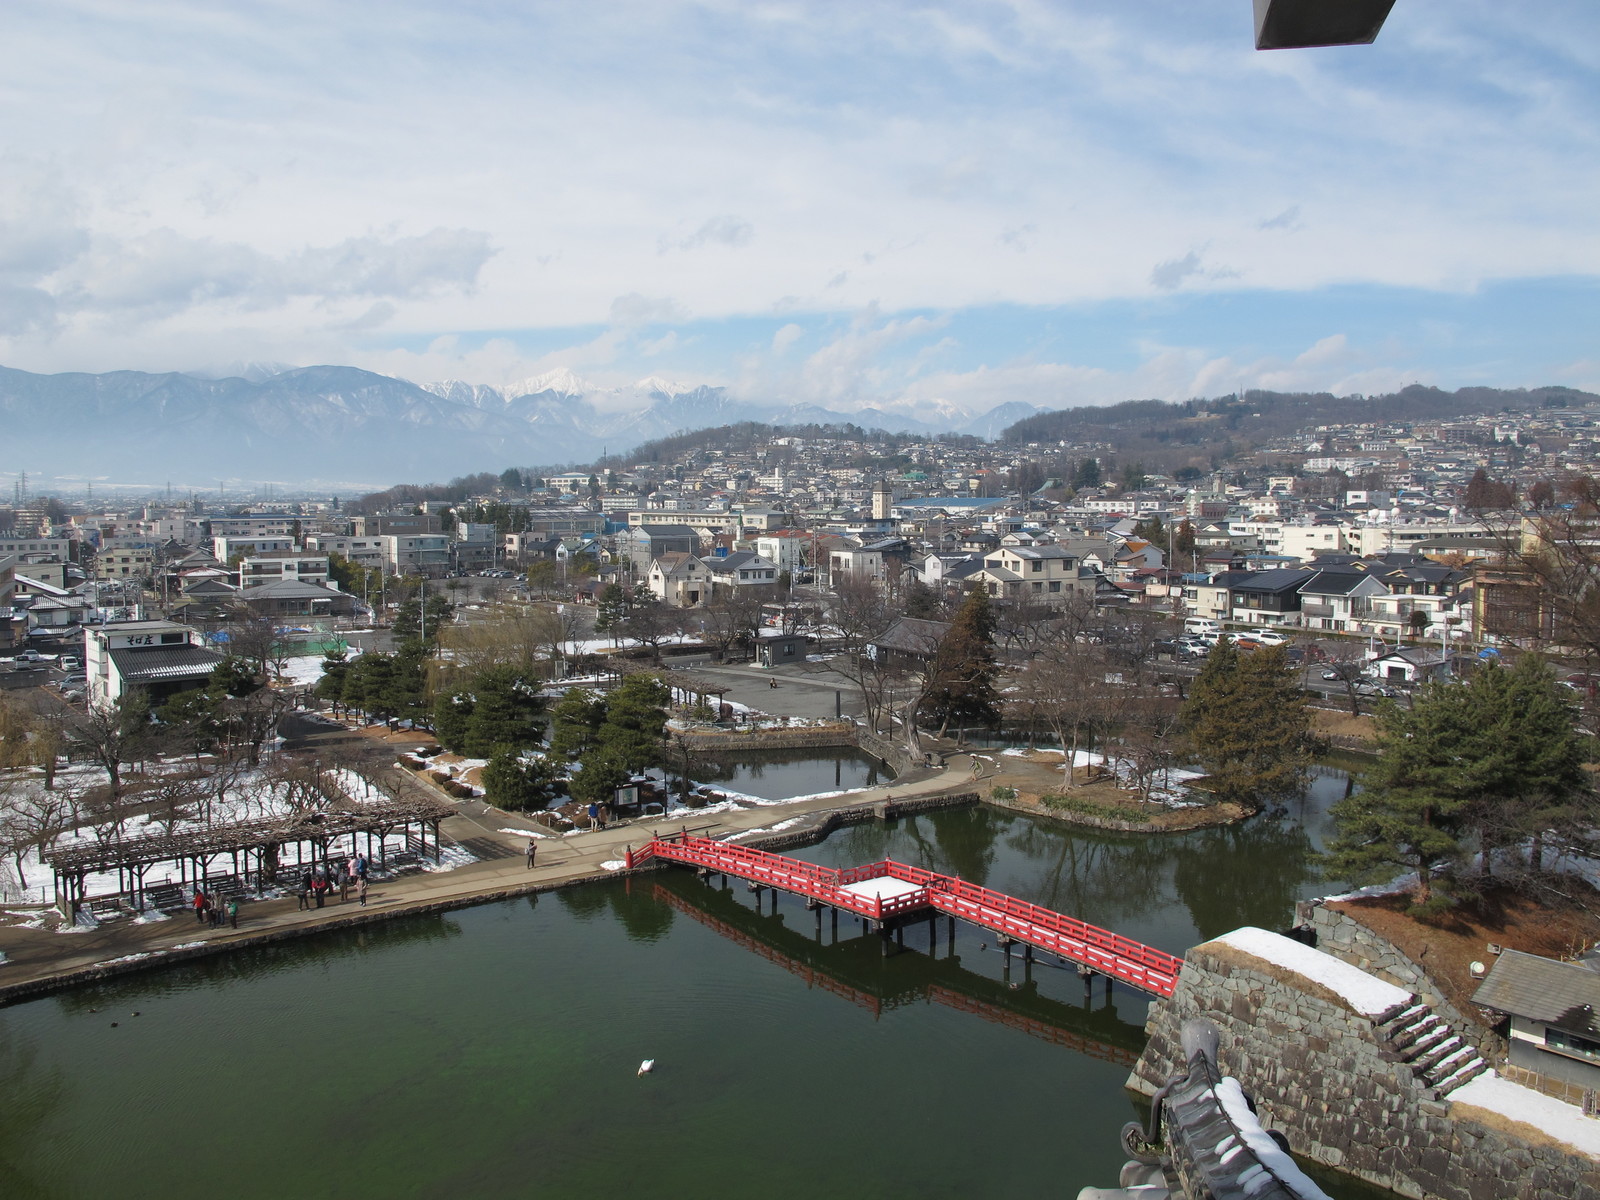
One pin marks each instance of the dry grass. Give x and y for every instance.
(1446, 945)
(1342, 727)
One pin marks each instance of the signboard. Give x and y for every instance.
(626, 796)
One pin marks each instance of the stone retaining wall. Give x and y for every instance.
(1341, 935)
(1322, 1075)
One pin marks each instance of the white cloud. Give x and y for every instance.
(297, 181)
(786, 336)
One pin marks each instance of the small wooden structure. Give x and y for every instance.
(255, 849)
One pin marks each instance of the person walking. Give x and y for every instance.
(594, 815)
(233, 913)
(305, 890)
(319, 888)
(361, 890)
(344, 885)
(199, 906)
(533, 848)
(361, 866)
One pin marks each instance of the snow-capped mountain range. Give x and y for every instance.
(268, 421)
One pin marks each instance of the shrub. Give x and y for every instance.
(1090, 808)
(1003, 793)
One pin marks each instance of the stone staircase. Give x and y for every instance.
(1429, 1046)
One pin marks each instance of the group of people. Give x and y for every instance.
(347, 875)
(209, 909)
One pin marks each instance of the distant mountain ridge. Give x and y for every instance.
(329, 423)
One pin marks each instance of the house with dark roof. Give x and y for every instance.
(1338, 598)
(909, 643)
(1267, 597)
(1550, 1009)
(288, 598)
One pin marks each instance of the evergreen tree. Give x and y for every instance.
(452, 715)
(611, 609)
(922, 602)
(408, 622)
(1407, 815)
(575, 722)
(604, 770)
(959, 686)
(636, 714)
(1494, 761)
(517, 782)
(335, 666)
(1247, 724)
(507, 711)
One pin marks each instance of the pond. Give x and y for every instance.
(785, 774)
(493, 1051)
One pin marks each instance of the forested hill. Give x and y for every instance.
(1255, 417)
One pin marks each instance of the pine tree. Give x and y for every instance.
(636, 714)
(1247, 724)
(611, 609)
(1407, 815)
(959, 685)
(452, 715)
(506, 711)
(517, 782)
(575, 722)
(1493, 761)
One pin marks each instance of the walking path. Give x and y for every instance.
(37, 961)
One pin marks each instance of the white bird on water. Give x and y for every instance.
(647, 1066)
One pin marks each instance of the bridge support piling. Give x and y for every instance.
(899, 935)
(836, 925)
(952, 938)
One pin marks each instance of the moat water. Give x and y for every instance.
(492, 1052)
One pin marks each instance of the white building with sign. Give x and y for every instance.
(160, 657)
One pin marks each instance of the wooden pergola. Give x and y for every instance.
(255, 848)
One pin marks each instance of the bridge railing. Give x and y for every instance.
(1100, 949)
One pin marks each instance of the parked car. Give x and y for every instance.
(1268, 637)
(1374, 690)
(68, 663)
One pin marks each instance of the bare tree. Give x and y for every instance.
(176, 796)
(1066, 685)
(113, 736)
(29, 820)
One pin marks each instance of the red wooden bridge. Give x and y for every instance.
(890, 893)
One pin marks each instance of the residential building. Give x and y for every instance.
(160, 657)
(278, 565)
(679, 580)
(1552, 1013)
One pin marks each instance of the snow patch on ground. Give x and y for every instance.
(305, 669)
(525, 833)
(1563, 1122)
(778, 828)
(613, 864)
(1364, 993)
(450, 859)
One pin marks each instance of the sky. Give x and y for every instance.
(909, 206)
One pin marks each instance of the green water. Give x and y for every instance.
(492, 1052)
(785, 774)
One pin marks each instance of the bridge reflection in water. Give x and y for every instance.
(855, 970)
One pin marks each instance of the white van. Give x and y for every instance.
(1200, 626)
